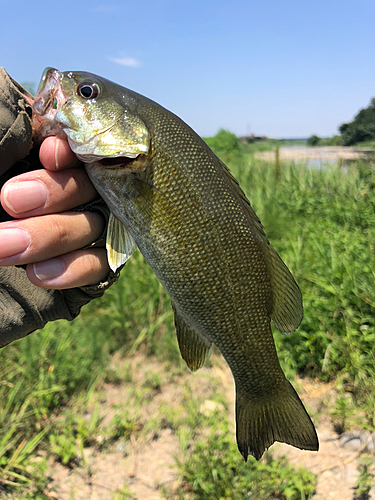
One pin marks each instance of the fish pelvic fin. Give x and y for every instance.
(195, 348)
(119, 244)
(283, 418)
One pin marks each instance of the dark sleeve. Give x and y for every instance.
(25, 307)
(15, 122)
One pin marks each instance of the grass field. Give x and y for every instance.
(322, 223)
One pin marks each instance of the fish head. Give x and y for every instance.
(96, 116)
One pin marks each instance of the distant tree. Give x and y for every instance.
(362, 128)
(225, 144)
(29, 86)
(335, 140)
(313, 140)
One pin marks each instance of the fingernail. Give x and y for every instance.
(13, 241)
(56, 159)
(25, 196)
(49, 269)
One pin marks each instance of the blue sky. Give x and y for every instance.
(282, 68)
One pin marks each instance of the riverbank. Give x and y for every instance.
(324, 154)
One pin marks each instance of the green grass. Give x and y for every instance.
(322, 223)
(213, 470)
(365, 144)
(365, 479)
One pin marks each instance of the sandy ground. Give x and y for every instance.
(144, 466)
(148, 464)
(324, 154)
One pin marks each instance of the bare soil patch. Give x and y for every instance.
(146, 463)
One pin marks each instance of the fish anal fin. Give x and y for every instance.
(120, 244)
(282, 418)
(287, 308)
(195, 349)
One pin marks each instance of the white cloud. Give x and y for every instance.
(126, 61)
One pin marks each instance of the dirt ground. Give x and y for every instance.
(148, 464)
(336, 462)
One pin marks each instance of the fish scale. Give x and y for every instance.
(199, 234)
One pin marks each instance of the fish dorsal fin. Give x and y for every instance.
(120, 244)
(243, 198)
(195, 349)
(287, 311)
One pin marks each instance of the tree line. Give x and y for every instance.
(360, 130)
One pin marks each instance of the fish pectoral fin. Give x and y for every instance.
(119, 244)
(195, 348)
(279, 417)
(287, 309)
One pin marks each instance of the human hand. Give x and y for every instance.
(47, 236)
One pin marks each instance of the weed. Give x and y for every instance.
(322, 222)
(63, 446)
(123, 494)
(213, 469)
(365, 479)
(153, 381)
(15, 449)
(124, 426)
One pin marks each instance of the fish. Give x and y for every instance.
(172, 198)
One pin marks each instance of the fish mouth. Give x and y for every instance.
(49, 97)
(48, 100)
(118, 163)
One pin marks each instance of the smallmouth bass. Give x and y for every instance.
(171, 197)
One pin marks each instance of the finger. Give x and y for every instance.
(79, 268)
(55, 154)
(42, 192)
(41, 238)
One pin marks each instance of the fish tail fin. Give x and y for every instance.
(280, 418)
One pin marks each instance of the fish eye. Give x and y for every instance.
(88, 90)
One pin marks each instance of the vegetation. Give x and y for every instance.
(226, 145)
(365, 479)
(314, 140)
(214, 470)
(361, 131)
(335, 140)
(322, 222)
(362, 128)
(30, 87)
